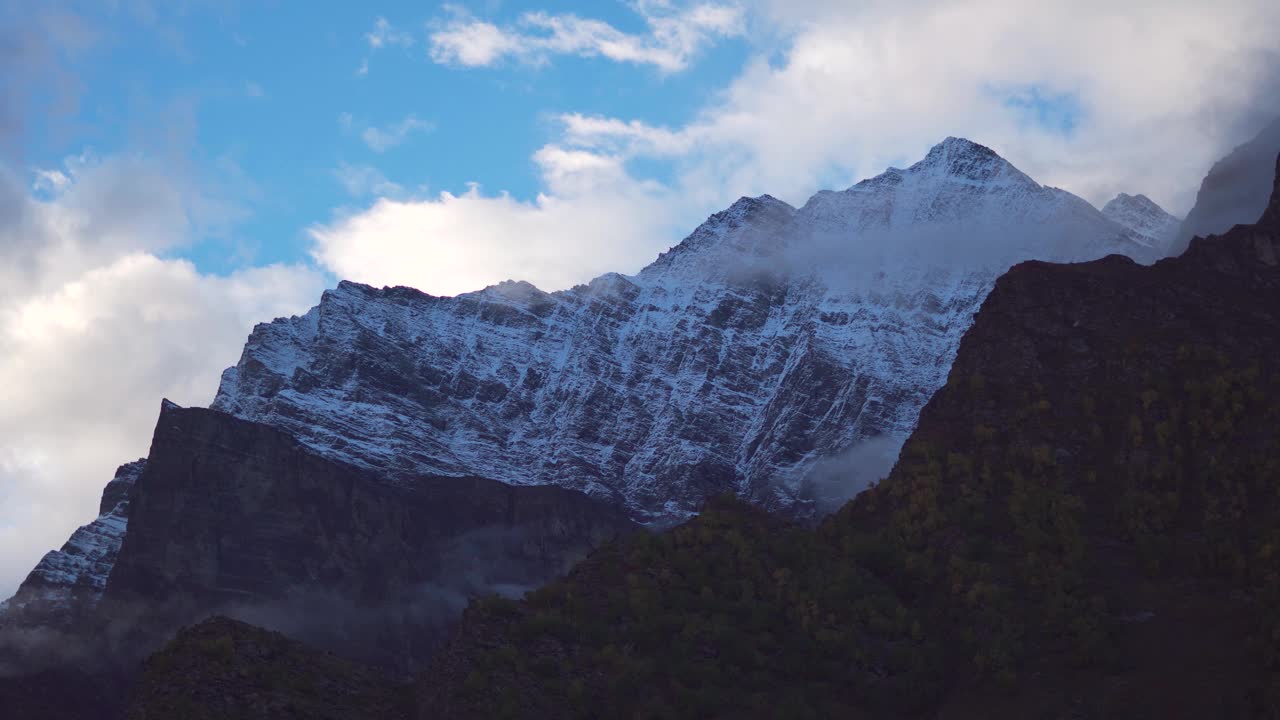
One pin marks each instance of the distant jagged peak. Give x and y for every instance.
(760, 216)
(962, 158)
(1125, 202)
(1151, 223)
(352, 289)
(512, 290)
(745, 207)
(953, 161)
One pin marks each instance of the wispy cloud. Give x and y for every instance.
(50, 181)
(383, 35)
(381, 139)
(386, 35)
(365, 180)
(675, 35)
(254, 90)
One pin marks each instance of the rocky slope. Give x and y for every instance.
(728, 364)
(1083, 525)
(68, 582)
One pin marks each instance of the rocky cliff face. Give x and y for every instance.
(729, 364)
(234, 516)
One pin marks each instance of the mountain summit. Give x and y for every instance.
(1141, 215)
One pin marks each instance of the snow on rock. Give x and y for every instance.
(1149, 221)
(767, 340)
(78, 572)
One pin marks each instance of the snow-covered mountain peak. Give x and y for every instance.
(517, 292)
(749, 227)
(963, 203)
(963, 159)
(1144, 217)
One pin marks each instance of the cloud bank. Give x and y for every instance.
(96, 327)
(593, 218)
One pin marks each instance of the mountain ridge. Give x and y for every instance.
(744, 252)
(720, 366)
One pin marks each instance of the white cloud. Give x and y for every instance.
(675, 36)
(254, 90)
(50, 181)
(96, 328)
(593, 218)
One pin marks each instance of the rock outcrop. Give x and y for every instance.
(237, 517)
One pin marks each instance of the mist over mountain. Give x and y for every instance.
(1235, 192)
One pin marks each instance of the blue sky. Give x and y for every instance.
(268, 102)
(172, 173)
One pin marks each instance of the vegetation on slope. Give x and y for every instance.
(224, 669)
